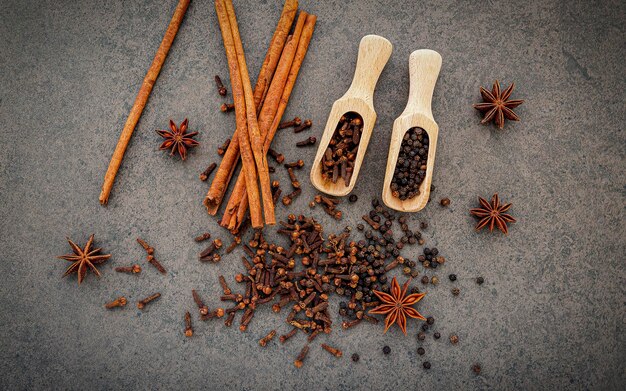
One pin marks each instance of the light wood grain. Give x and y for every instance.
(424, 66)
(374, 52)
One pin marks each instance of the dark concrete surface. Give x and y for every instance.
(550, 314)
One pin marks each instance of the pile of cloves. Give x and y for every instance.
(410, 168)
(339, 157)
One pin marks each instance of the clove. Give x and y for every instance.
(206, 173)
(292, 177)
(296, 164)
(334, 351)
(220, 86)
(289, 197)
(307, 142)
(119, 302)
(263, 341)
(279, 157)
(142, 303)
(201, 307)
(224, 285)
(222, 149)
(188, 328)
(150, 250)
(129, 269)
(203, 237)
(287, 124)
(207, 254)
(301, 356)
(305, 125)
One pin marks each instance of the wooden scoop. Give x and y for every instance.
(374, 51)
(424, 66)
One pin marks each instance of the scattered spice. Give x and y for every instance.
(220, 86)
(129, 269)
(203, 309)
(426, 365)
(263, 341)
(83, 258)
(150, 257)
(119, 302)
(421, 351)
(142, 303)
(301, 356)
(456, 291)
(178, 140)
(288, 124)
(340, 155)
(334, 351)
(493, 214)
(305, 143)
(496, 106)
(188, 328)
(386, 350)
(476, 369)
(226, 107)
(480, 280)
(454, 339)
(222, 148)
(355, 357)
(305, 125)
(452, 277)
(444, 202)
(203, 237)
(397, 305)
(353, 198)
(206, 173)
(410, 168)
(437, 335)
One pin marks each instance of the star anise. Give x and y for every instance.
(177, 139)
(83, 258)
(397, 306)
(493, 214)
(496, 105)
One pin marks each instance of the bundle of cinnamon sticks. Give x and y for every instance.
(258, 114)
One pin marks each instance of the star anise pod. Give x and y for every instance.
(177, 139)
(493, 214)
(397, 306)
(84, 258)
(497, 106)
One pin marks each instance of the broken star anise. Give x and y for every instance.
(493, 214)
(497, 106)
(84, 258)
(177, 139)
(397, 306)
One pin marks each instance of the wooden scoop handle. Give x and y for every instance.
(424, 66)
(374, 52)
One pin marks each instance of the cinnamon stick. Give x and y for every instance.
(238, 204)
(225, 171)
(236, 210)
(254, 134)
(241, 111)
(141, 100)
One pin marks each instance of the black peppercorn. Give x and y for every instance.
(430, 320)
(421, 351)
(437, 335)
(386, 349)
(426, 365)
(353, 198)
(421, 336)
(476, 369)
(452, 277)
(355, 357)
(480, 280)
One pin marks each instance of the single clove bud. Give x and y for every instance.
(206, 173)
(301, 356)
(141, 304)
(371, 222)
(292, 177)
(285, 337)
(222, 149)
(156, 264)
(146, 246)
(334, 351)
(297, 164)
(220, 86)
(224, 285)
(203, 237)
(263, 341)
(289, 197)
(119, 302)
(226, 107)
(129, 269)
(229, 320)
(201, 307)
(188, 328)
(305, 125)
(287, 124)
(307, 142)
(208, 252)
(279, 157)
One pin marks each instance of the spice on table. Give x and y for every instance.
(83, 259)
(279, 157)
(480, 280)
(150, 257)
(207, 254)
(456, 291)
(203, 237)
(454, 339)
(334, 351)
(129, 269)
(301, 356)
(288, 124)
(285, 337)
(296, 164)
(222, 148)
(496, 106)
(493, 214)
(263, 341)
(397, 305)
(188, 328)
(423, 225)
(226, 107)
(220, 86)
(142, 303)
(452, 277)
(305, 125)
(204, 310)
(426, 365)
(421, 336)
(177, 139)
(206, 173)
(141, 100)
(292, 177)
(386, 350)
(306, 142)
(119, 302)
(430, 320)
(476, 368)
(289, 197)
(353, 198)
(421, 351)
(355, 357)
(444, 202)
(410, 169)
(437, 335)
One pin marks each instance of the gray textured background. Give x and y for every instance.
(551, 313)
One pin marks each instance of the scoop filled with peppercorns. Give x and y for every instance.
(413, 141)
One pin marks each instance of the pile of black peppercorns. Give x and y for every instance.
(411, 165)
